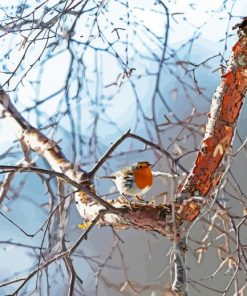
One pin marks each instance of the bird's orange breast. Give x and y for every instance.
(143, 177)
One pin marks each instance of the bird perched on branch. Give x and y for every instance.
(133, 180)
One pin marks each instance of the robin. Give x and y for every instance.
(133, 180)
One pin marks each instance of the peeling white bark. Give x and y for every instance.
(217, 101)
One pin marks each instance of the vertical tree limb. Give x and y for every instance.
(222, 118)
(206, 173)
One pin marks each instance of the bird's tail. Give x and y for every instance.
(105, 177)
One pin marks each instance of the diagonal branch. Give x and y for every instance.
(140, 216)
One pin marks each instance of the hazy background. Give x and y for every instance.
(85, 119)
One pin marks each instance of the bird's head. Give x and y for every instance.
(142, 165)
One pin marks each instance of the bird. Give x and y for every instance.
(133, 180)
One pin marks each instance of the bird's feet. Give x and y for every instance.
(139, 199)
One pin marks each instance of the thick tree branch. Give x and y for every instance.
(226, 105)
(206, 174)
